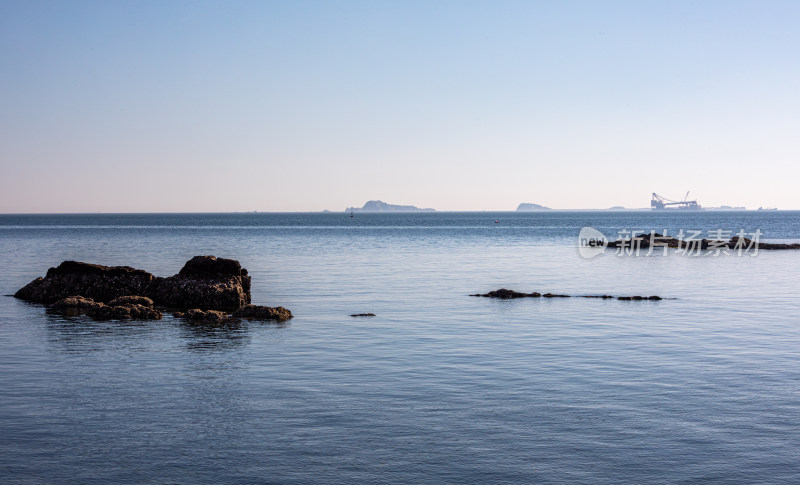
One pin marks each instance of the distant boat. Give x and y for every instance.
(767, 208)
(351, 214)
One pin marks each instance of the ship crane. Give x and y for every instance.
(659, 202)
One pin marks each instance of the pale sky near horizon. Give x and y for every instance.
(155, 106)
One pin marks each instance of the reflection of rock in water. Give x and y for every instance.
(229, 335)
(82, 334)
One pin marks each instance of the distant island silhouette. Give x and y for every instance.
(527, 207)
(381, 206)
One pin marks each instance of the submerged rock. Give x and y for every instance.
(257, 312)
(654, 298)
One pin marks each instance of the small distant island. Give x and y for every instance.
(527, 207)
(381, 206)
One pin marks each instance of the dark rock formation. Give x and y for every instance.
(123, 308)
(204, 282)
(505, 294)
(212, 287)
(362, 315)
(257, 312)
(746, 243)
(100, 283)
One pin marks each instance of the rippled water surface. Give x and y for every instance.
(439, 387)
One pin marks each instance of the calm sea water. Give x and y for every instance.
(439, 387)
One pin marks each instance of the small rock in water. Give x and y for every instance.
(258, 312)
(131, 300)
(75, 303)
(197, 315)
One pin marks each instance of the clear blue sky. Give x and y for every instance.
(282, 106)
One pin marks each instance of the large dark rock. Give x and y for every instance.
(100, 283)
(204, 282)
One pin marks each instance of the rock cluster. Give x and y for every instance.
(204, 284)
(122, 308)
(506, 294)
(248, 312)
(197, 315)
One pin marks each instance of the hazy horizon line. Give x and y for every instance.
(325, 211)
